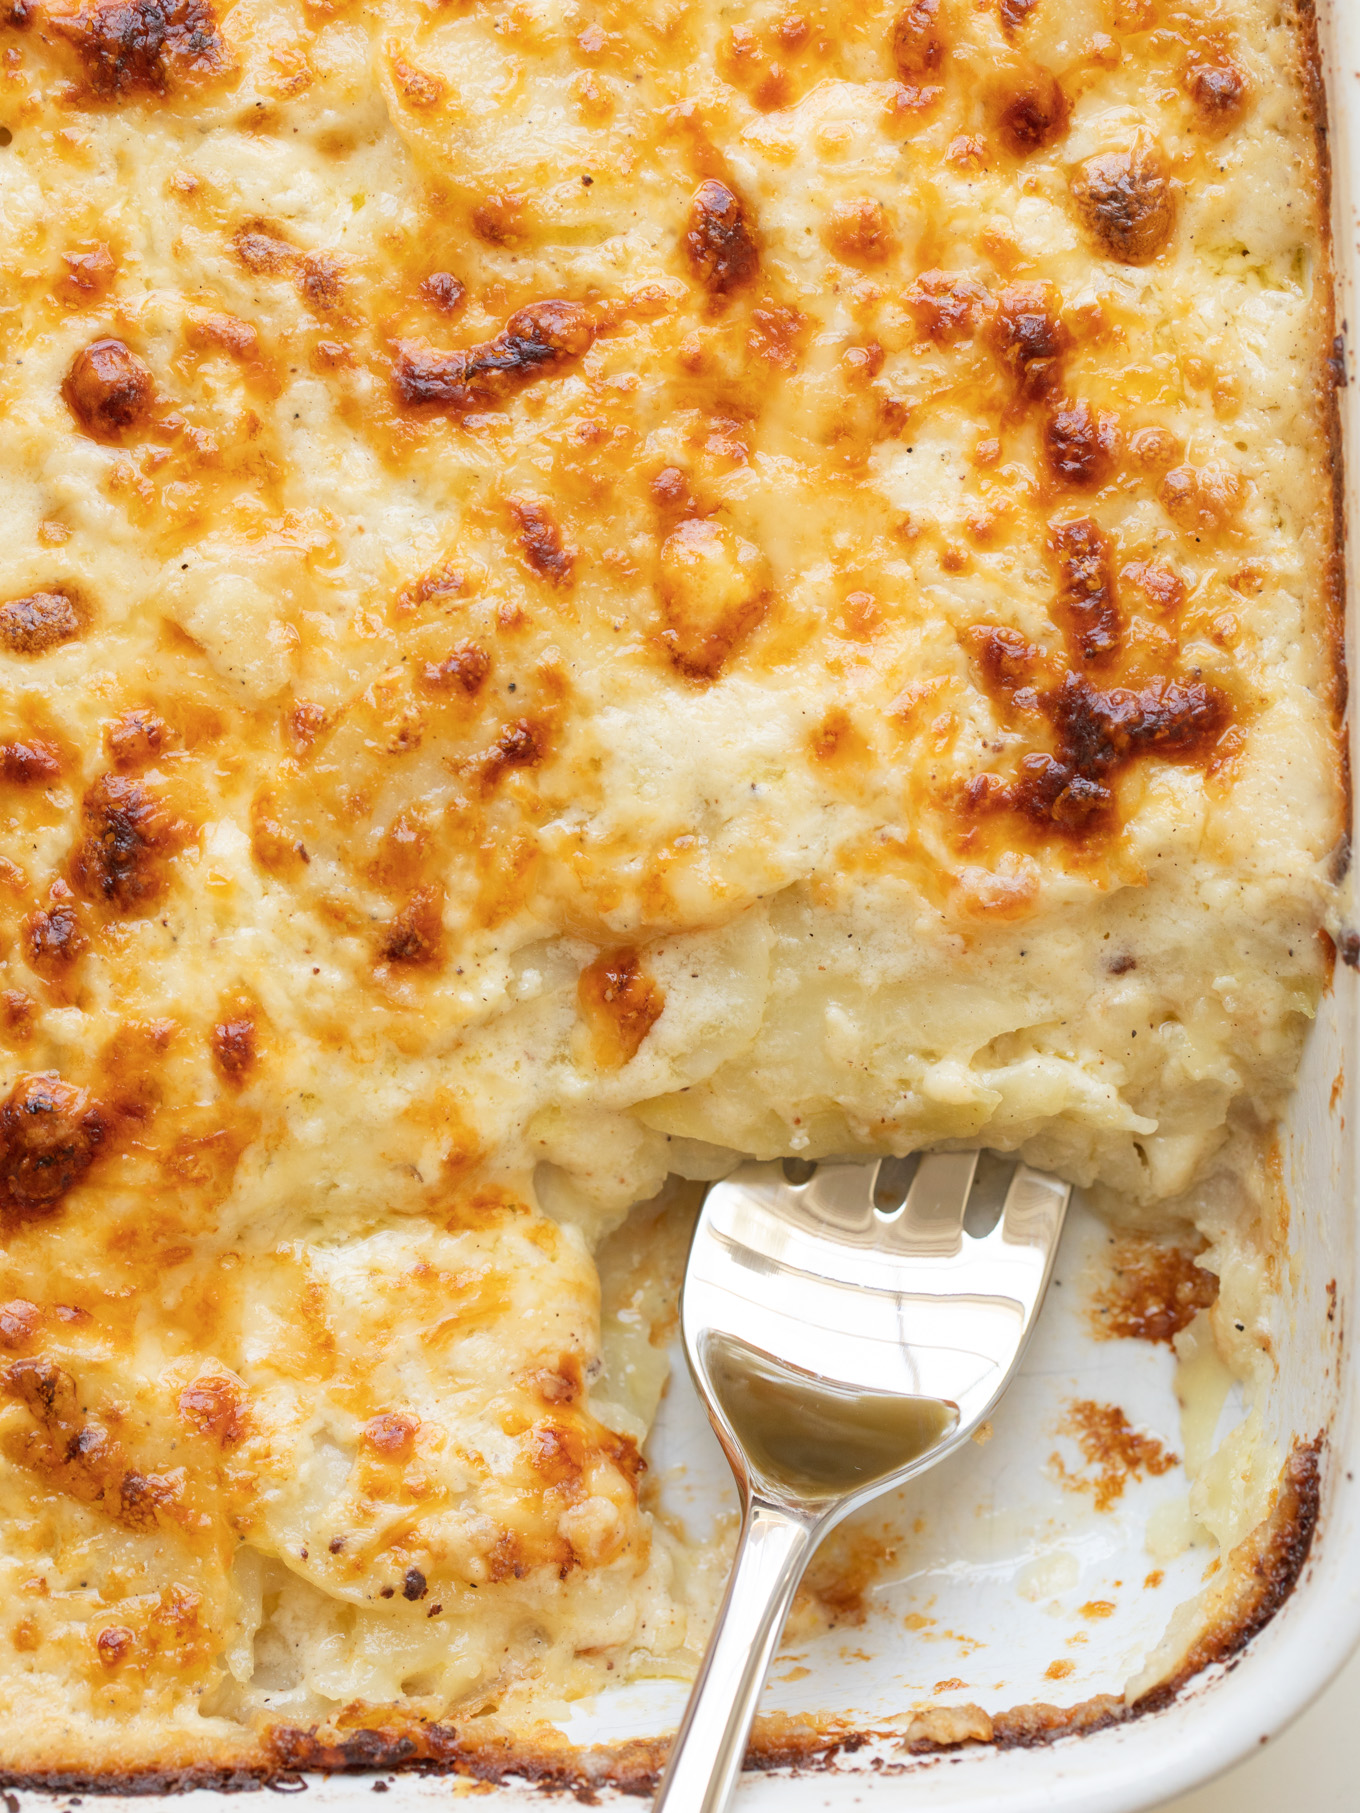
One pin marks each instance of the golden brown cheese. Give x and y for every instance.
(589, 587)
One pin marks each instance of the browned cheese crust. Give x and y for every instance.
(588, 586)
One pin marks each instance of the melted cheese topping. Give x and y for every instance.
(586, 588)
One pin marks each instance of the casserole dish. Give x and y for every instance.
(1017, 1599)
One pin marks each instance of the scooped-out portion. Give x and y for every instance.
(588, 590)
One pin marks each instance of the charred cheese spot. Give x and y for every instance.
(948, 307)
(319, 276)
(130, 832)
(77, 1455)
(719, 242)
(52, 935)
(391, 1436)
(1098, 732)
(214, 1405)
(1071, 791)
(521, 744)
(321, 280)
(861, 232)
(1030, 336)
(620, 1003)
(534, 343)
(498, 219)
(1153, 1289)
(109, 390)
(50, 1131)
(444, 290)
(262, 249)
(306, 724)
(540, 537)
(1086, 598)
(235, 1044)
(918, 44)
(1163, 588)
(1014, 14)
(559, 1384)
(29, 763)
(137, 738)
(1127, 202)
(228, 334)
(39, 622)
(45, 1389)
(556, 1452)
(1220, 92)
(1080, 446)
(464, 669)
(441, 584)
(115, 1643)
(1031, 115)
(141, 1496)
(416, 935)
(131, 47)
(715, 589)
(419, 88)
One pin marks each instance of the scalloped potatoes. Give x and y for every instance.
(590, 589)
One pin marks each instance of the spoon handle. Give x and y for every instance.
(710, 1745)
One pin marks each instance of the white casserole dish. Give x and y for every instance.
(995, 1583)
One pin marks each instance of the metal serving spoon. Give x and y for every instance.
(847, 1326)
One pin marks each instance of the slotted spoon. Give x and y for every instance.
(847, 1325)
